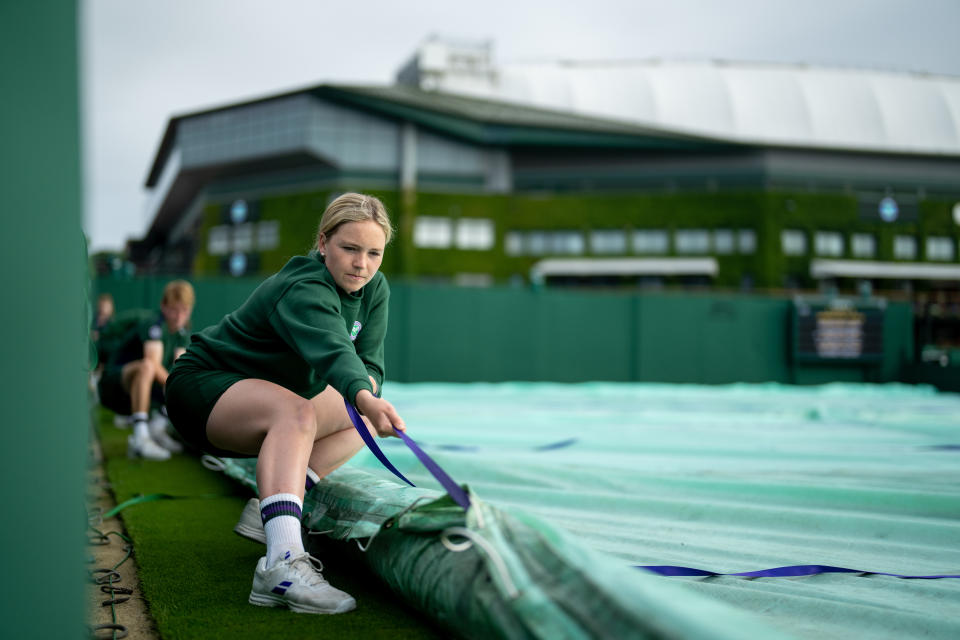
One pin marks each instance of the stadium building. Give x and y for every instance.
(631, 174)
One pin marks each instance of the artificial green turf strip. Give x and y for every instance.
(195, 573)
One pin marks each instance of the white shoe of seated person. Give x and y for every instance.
(160, 435)
(145, 448)
(296, 582)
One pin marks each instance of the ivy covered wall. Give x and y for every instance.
(766, 213)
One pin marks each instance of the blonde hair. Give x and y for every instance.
(105, 297)
(353, 207)
(179, 292)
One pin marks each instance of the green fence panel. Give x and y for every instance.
(215, 296)
(463, 334)
(897, 340)
(744, 341)
(711, 339)
(580, 337)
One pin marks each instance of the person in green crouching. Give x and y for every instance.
(269, 380)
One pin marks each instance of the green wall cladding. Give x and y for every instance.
(459, 334)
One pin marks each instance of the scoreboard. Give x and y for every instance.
(837, 331)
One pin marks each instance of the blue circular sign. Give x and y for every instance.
(238, 264)
(238, 211)
(888, 209)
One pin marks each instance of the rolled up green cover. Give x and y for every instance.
(494, 573)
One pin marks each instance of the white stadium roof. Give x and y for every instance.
(771, 104)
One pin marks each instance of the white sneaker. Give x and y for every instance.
(168, 442)
(296, 583)
(158, 433)
(250, 525)
(145, 448)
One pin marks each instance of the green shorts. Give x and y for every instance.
(191, 394)
(114, 397)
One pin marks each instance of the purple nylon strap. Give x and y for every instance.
(778, 572)
(456, 491)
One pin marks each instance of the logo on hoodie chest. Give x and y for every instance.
(356, 330)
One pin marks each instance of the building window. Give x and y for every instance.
(268, 235)
(939, 248)
(794, 242)
(747, 241)
(539, 243)
(567, 242)
(243, 237)
(904, 247)
(828, 243)
(723, 241)
(474, 233)
(513, 243)
(432, 233)
(218, 241)
(693, 241)
(863, 245)
(608, 241)
(651, 241)
(472, 279)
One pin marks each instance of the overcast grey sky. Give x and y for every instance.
(143, 61)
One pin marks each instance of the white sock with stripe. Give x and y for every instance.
(281, 515)
(141, 429)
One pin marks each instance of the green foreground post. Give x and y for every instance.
(44, 420)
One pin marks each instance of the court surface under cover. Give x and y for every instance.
(727, 479)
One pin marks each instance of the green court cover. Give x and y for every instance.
(574, 486)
